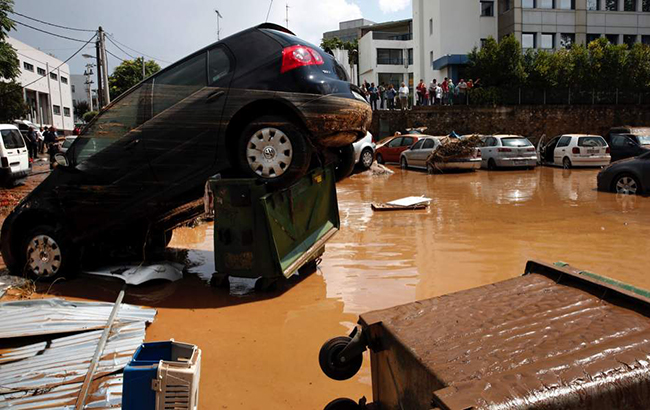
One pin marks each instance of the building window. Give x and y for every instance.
(567, 4)
(567, 40)
(53, 76)
(66, 111)
(505, 5)
(56, 109)
(545, 4)
(487, 8)
(528, 4)
(72, 87)
(548, 41)
(430, 27)
(611, 5)
(40, 71)
(410, 56)
(483, 41)
(592, 37)
(430, 56)
(64, 80)
(629, 39)
(629, 5)
(645, 40)
(612, 38)
(390, 56)
(28, 67)
(593, 5)
(645, 5)
(528, 40)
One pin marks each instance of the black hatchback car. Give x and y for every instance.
(628, 176)
(261, 103)
(628, 142)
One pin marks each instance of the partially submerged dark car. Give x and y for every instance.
(261, 103)
(629, 176)
(627, 142)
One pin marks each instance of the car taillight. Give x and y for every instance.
(5, 162)
(478, 153)
(607, 151)
(299, 56)
(504, 150)
(576, 150)
(531, 150)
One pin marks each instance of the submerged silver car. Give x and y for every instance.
(417, 155)
(507, 151)
(364, 151)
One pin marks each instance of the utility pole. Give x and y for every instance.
(287, 16)
(143, 72)
(102, 37)
(100, 91)
(218, 29)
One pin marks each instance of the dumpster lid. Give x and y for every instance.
(556, 337)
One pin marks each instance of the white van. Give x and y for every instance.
(14, 156)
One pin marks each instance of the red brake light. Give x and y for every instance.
(299, 56)
(531, 149)
(504, 150)
(477, 153)
(576, 150)
(608, 150)
(5, 162)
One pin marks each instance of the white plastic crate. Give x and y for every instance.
(177, 382)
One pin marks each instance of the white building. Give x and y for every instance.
(445, 31)
(386, 53)
(82, 92)
(47, 87)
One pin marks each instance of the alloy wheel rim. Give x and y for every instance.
(43, 256)
(403, 162)
(626, 185)
(367, 158)
(269, 152)
(567, 164)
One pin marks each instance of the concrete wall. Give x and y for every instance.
(530, 121)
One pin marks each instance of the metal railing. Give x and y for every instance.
(384, 35)
(552, 96)
(391, 61)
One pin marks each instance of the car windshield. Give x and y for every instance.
(12, 139)
(644, 139)
(68, 142)
(515, 142)
(591, 142)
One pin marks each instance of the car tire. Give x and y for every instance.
(492, 165)
(626, 184)
(366, 158)
(274, 150)
(49, 254)
(566, 163)
(403, 163)
(380, 159)
(344, 162)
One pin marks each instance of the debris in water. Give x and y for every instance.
(377, 169)
(139, 274)
(410, 202)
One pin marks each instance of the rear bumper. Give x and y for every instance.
(590, 161)
(336, 121)
(6, 174)
(516, 162)
(460, 164)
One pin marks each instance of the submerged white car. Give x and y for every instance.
(417, 155)
(364, 151)
(14, 158)
(575, 150)
(501, 151)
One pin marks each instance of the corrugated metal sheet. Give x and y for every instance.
(51, 316)
(49, 375)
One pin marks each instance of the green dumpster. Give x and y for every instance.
(271, 234)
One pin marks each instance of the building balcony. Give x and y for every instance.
(385, 35)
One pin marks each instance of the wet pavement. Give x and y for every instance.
(260, 350)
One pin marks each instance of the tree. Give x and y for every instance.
(89, 116)
(128, 74)
(12, 104)
(80, 108)
(352, 47)
(498, 64)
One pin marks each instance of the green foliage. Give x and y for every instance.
(598, 66)
(89, 116)
(352, 47)
(81, 108)
(485, 96)
(12, 105)
(9, 65)
(128, 74)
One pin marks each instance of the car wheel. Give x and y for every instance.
(380, 159)
(366, 158)
(49, 254)
(344, 162)
(274, 150)
(492, 165)
(627, 184)
(430, 169)
(403, 163)
(566, 163)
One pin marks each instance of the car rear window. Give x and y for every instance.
(515, 142)
(67, 142)
(644, 139)
(12, 139)
(591, 142)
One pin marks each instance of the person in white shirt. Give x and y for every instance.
(403, 96)
(438, 94)
(41, 140)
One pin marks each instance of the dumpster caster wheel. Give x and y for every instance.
(266, 284)
(343, 404)
(330, 363)
(220, 280)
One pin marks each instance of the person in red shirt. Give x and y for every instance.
(445, 91)
(422, 92)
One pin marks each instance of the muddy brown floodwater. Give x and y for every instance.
(260, 350)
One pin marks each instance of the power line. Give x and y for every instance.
(52, 24)
(119, 48)
(269, 12)
(48, 32)
(121, 59)
(136, 51)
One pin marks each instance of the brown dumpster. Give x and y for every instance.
(554, 338)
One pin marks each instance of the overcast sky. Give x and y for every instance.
(171, 29)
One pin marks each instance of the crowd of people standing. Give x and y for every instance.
(436, 93)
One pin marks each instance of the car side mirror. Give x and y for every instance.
(61, 159)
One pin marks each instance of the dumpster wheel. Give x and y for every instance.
(343, 404)
(332, 366)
